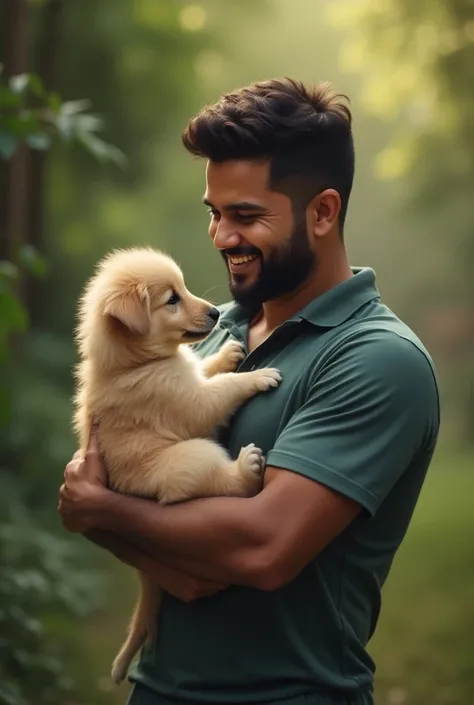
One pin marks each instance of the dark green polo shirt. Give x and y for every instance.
(357, 410)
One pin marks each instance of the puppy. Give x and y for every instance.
(157, 403)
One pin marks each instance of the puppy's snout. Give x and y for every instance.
(214, 314)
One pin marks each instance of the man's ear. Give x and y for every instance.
(324, 212)
(132, 308)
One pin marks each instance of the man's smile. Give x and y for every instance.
(241, 264)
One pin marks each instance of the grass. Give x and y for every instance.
(423, 645)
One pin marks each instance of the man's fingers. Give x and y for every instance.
(72, 467)
(93, 443)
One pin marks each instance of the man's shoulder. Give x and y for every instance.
(379, 347)
(383, 332)
(381, 362)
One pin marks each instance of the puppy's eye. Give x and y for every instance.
(173, 299)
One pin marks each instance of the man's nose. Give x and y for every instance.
(225, 236)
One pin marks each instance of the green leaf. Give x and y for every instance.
(36, 85)
(73, 107)
(64, 124)
(70, 125)
(40, 141)
(8, 99)
(8, 270)
(19, 83)
(54, 102)
(101, 150)
(13, 316)
(21, 125)
(8, 145)
(88, 123)
(33, 261)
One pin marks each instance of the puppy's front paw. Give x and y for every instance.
(230, 355)
(268, 378)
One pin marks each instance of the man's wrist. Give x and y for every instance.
(99, 508)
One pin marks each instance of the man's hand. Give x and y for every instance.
(181, 585)
(185, 587)
(85, 482)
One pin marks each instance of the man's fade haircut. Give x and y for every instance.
(305, 133)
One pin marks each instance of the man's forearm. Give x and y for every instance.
(217, 538)
(126, 552)
(122, 549)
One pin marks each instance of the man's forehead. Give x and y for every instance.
(237, 173)
(239, 181)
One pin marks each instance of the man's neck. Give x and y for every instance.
(276, 312)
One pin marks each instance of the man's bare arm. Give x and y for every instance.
(263, 542)
(183, 586)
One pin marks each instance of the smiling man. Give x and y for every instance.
(274, 598)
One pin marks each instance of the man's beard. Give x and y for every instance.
(284, 271)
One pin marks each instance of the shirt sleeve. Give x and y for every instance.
(370, 410)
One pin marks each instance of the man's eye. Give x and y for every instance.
(173, 299)
(215, 214)
(246, 218)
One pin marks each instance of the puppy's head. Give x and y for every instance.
(138, 303)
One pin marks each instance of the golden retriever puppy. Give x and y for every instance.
(156, 402)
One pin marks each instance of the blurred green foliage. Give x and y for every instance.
(45, 590)
(415, 60)
(41, 593)
(146, 66)
(30, 114)
(423, 644)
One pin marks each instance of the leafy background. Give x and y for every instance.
(93, 98)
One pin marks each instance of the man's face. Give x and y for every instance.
(267, 253)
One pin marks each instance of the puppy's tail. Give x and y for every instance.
(142, 627)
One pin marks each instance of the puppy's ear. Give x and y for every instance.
(132, 308)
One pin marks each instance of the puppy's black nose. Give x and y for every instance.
(214, 314)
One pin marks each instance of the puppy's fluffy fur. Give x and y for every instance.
(157, 403)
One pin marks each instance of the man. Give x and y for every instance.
(288, 581)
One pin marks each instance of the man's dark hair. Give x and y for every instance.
(305, 133)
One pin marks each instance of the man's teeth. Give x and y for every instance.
(243, 259)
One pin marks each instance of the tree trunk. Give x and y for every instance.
(15, 186)
(46, 62)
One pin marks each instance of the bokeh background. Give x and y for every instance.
(93, 99)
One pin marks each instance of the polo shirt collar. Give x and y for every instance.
(328, 310)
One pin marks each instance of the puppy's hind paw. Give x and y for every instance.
(252, 458)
